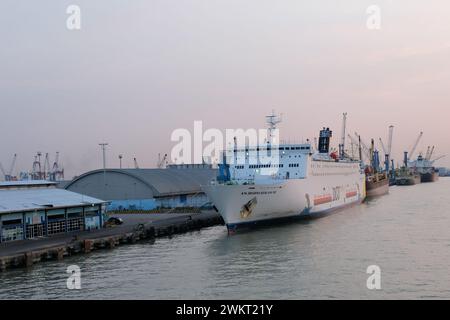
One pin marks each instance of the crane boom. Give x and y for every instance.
(366, 151)
(13, 164)
(382, 147)
(438, 158)
(427, 154)
(391, 133)
(2, 170)
(411, 153)
(431, 153)
(364, 146)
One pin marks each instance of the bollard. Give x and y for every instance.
(2, 265)
(28, 259)
(60, 253)
(150, 232)
(111, 243)
(87, 246)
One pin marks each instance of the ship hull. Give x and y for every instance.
(377, 188)
(429, 177)
(407, 181)
(251, 205)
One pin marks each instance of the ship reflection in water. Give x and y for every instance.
(405, 233)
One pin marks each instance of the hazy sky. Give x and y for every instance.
(139, 69)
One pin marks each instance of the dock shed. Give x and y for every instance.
(31, 209)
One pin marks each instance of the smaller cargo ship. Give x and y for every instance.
(407, 177)
(377, 185)
(377, 181)
(423, 165)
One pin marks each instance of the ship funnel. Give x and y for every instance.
(324, 140)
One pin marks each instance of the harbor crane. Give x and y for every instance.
(383, 147)
(363, 145)
(57, 173)
(438, 158)
(46, 167)
(7, 175)
(387, 151)
(37, 173)
(162, 163)
(411, 153)
(363, 148)
(429, 153)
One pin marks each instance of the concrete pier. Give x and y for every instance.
(25, 253)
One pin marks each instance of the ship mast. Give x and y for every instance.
(342, 145)
(272, 121)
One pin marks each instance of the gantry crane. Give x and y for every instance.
(162, 163)
(8, 175)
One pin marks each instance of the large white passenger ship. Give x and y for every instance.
(265, 182)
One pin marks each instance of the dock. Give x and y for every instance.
(136, 227)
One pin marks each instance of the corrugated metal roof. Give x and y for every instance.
(36, 199)
(174, 181)
(31, 183)
(165, 182)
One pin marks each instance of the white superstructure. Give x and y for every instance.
(277, 181)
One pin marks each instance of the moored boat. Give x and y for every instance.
(377, 185)
(270, 182)
(407, 177)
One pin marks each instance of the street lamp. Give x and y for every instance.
(103, 145)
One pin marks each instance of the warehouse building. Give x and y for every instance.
(146, 189)
(32, 209)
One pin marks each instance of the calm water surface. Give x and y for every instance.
(406, 233)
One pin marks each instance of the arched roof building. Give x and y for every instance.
(140, 184)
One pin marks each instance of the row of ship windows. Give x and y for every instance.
(257, 166)
(321, 166)
(280, 148)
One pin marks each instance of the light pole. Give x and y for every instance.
(120, 161)
(103, 145)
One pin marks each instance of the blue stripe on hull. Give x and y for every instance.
(267, 222)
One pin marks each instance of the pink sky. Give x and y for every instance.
(138, 70)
